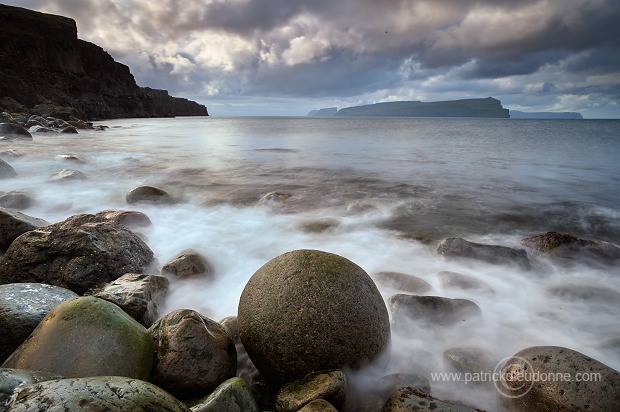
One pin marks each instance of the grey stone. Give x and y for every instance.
(568, 248)
(13, 224)
(432, 310)
(67, 175)
(402, 282)
(461, 248)
(408, 399)
(148, 194)
(16, 200)
(187, 264)
(454, 280)
(328, 385)
(309, 310)
(10, 379)
(128, 218)
(15, 131)
(6, 170)
(86, 336)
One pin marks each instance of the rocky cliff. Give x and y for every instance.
(488, 107)
(46, 69)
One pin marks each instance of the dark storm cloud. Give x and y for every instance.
(397, 48)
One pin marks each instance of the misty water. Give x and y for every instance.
(381, 192)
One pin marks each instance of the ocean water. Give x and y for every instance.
(385, 191)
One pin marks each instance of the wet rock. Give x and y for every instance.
(79, 253)
(552, 378)
(433, 310)
(86, 336)
(503, 255)
(232, 395)
(128, 218)
(69, 130)
(148, 194)
(16, 200)
(137, 294)
(408, 399)
(10, 379)
(329, 385)
(372, 395)
(100, 393)
(6, 170)
(14, 131)
(193, 354)
(402, 282)
(469, 360)
(454, 280)
(318, 405)
(22, 307)
(565, 247)
(318, 226)
(309, 310)
(188, 264)
(71, 158)
(13, 224)
(67, 175)
(41, 129)
(80, 124)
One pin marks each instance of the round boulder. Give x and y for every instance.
(79, 253)
(187, 264)
(22, 307)
(6, 170)
(148, 194)
(309, 310)
(194, 354)
(87, 336)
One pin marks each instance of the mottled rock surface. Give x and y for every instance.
(13, 224)
(565, 247)
(329, 385)
(432, 310)
(10, 379)
(402, 282)
(232, 395)
(499, 255)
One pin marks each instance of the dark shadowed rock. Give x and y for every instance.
(69, 130)
(408, 399)
(318, 405)
(148, 194)
(193, 354)
(22, 307)
(10, 379)
(552, 378)
(565, 247)
(13, 224)
(328, 385)
(402, 282)
(309, 310)
(128, 218)
(79, 253)
(100, 393)
(454, 280)
(16, 200)
(137, 294)
(433, 310)
(187, 264)
(86, 336)
(232, 395)
(6, 170)
(503, 255)
(14, 131)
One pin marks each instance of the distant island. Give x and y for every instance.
(487, 107)
(45, 69)
(516, 114)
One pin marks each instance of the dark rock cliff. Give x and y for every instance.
(488, 107)
(44, 67)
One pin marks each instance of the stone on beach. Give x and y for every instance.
(432, 310)
(14, 131)
(495, 254)
(148, 194)
(309, 310)
(13, 224)
(16, 200)
(67, 175)
(87, 336)
(79, 253)
(402, 282)
(11, 379)
(454, 280)
(328, 385)
(6, 170)
(129, 218)
(565, 247)
(408, 399)
(188, 264)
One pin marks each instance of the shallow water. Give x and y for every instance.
(380, 184)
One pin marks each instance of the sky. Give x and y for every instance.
(287, 57)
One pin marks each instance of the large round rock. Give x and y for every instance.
(308, 310)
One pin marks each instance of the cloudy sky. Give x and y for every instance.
(286, 57)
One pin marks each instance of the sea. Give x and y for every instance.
(381, 192)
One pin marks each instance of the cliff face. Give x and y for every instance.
(43, 64)
(488, 107)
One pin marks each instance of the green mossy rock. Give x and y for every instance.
(87, 336)
(233, 395)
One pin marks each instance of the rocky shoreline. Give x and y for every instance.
(47, 71)
(81, 299)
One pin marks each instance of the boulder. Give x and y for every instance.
(469, 359)
(565, 247)
(502, 255)
(41, 129)
(193, 354)
(233, 394)
(129, 218)
(87, 336)
(309, 310)
(100, 393)
(188, 264)
(318, 405)
(69, 129)
(11, 379)
(22, 307)
(318, 225)
(79, 253)
(16, 200)
(13, 224)
(432, 310)
(72, 158)
(402, 282)
(371, 396)
(137, 294)
(148, 194)
(67, 175)
(328, 385)
(454, 280)
(408, 399)
(14, 131)
(6, 170)
(553, 378)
